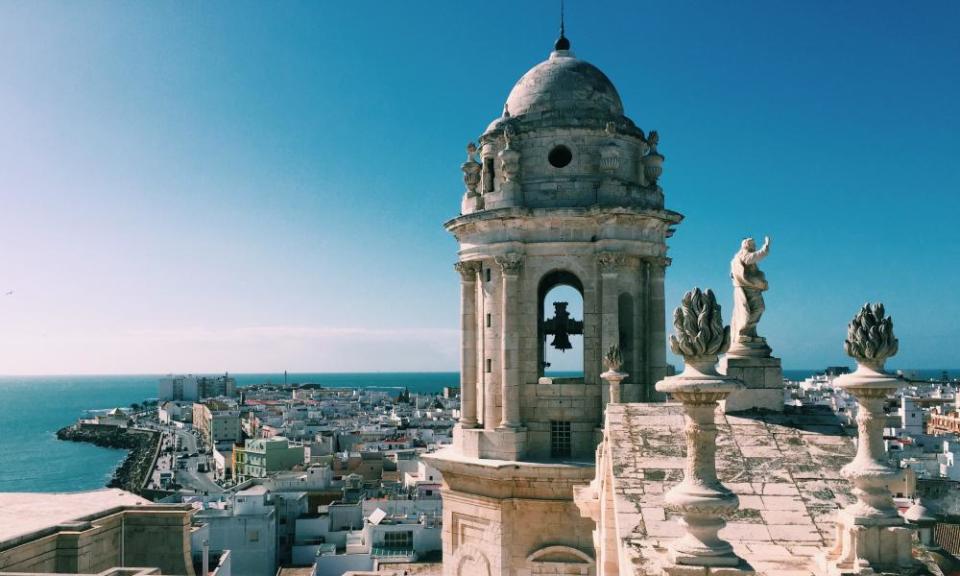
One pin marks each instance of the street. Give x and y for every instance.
(179, 459)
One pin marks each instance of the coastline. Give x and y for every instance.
(142, 448)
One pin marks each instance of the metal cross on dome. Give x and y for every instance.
(561, 327)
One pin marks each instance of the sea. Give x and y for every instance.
(33, 408)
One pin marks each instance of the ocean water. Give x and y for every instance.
(33, 408)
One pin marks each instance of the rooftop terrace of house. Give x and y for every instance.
(26, 513)
(785, 468)
(219, 405)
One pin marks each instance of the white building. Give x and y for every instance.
(178, 388)
(247, 526)
(911, 417)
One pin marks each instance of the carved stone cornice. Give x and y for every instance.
(510, 262)
(468, 270)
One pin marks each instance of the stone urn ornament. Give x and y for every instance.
(509, 158)
(471, 170)
(613, 361)
(610, 152)
(653, 161)
(700, 498)
(871, 535)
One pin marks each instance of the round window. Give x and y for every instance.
(560, 156)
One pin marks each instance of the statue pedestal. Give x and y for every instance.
(747, 347)
(500, 444)
(471, 203)
(762, 379)
(865, 548)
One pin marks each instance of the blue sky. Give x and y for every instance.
(261, 186)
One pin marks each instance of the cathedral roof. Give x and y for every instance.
(564, 82)
(783, 466)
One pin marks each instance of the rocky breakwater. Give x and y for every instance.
(132, 475)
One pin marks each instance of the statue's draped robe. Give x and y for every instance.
(749, 283)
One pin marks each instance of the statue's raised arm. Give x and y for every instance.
(756, 255)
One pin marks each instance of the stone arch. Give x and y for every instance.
(560, 561)
(470, 561)
(548, 282)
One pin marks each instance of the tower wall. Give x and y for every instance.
(562, 190)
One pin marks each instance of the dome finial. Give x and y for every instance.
(562, 43)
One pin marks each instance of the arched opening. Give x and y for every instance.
(560, 325)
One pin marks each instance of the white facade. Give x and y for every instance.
(911, 417)
(248, 528)
(178, 388)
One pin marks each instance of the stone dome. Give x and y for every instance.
(564, 82)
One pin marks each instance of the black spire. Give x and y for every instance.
(562, 43)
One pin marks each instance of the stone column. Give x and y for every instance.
(656, 328)
(490, 349)
(468, 342)
(610, 264)
(510, 264)
(700, 497)
(871, 536)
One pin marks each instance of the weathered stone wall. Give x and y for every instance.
(496, 522)
(617, 262)
(149, 537)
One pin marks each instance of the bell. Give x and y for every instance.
(561, 342)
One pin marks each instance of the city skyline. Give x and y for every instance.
(192, 190)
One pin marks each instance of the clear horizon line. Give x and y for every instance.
(291, 373)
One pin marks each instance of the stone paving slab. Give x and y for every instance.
(783, 466)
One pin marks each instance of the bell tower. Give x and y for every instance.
(561, 190)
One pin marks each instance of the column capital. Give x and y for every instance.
(660, 261)
(510, 263)
(613, 262)
(468, 270)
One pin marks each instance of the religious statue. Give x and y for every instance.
(749, 284)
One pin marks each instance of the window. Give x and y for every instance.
(560, 326)
(560, 156)
(488, 175)
(253, 536)
(398, 540)
(487, 274)
(488, 319)
(489, 365)
(559, 439)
